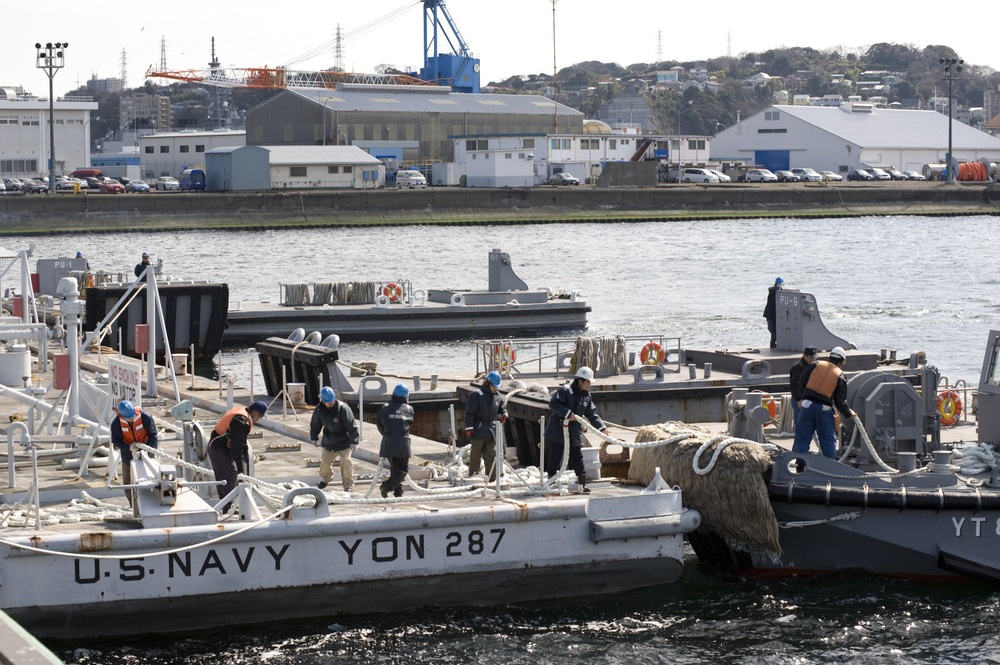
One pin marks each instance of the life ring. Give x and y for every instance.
(652, 354)
(504, 357)
(772, 407)
(393, 291)
(949, 407)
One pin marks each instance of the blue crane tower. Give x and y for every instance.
(456, 68)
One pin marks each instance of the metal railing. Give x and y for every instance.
(555, 356)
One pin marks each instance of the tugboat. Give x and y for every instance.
(898, 500)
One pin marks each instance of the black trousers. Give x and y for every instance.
(398, 468)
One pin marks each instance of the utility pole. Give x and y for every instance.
(952, 68)
(50, 59)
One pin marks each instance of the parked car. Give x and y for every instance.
(62, 182)
(167, 182)
(109, 186)
(831, 176)
(122, 179)
(34, 187)
(913, 175)
(564, 179)
(760, 175)
(411, 179)
(11, 184)
(136, 186)
(895, 173)
(857, 174)
(3, 187)
(92, 183)
(698, 175)
(786, 176)
(879, 174)
(720, 175)
(807, 175)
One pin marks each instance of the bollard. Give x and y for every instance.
(692, 371)
(416, 382)
(708, 370)
(434, 381)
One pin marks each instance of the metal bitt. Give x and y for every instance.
(50, 59)
(952, 68)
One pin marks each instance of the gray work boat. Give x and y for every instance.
(901, 501)
(394, 310)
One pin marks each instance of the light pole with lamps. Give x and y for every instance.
(680, 105)
(51, 58)
(952, 67)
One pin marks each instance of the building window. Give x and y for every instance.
(772, 115)
(333, 169)
(297, 171)
(164, 148)
(772, 131)
(612, 144)
(185, 148)
(470, 145)
(508, 155)
(528, 144)
(554, 144)
(199, 148)
(348, 169)
(149, 150)
(696, 144)
(567, 144)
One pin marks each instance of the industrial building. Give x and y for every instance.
(24, 133)
(237, 168)
(408, 124)
(170, 153)
(333, 166)
(853, 135)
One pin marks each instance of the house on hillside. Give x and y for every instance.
(852, 135)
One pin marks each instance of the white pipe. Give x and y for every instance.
(16, 426)
(151, 327)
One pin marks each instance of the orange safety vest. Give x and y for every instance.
(222, 426)
(823, 379)
(132, 430)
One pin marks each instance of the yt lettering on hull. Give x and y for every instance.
(181, 565)
(974, 527)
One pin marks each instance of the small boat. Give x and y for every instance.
(394, 310)
(905, 497)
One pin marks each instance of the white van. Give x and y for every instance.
(410, 179)
(699, 175)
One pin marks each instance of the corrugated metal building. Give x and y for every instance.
(379, 117)
(237, 168)
(853, 135)
(330, 166)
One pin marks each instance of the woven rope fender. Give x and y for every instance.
(732, 498)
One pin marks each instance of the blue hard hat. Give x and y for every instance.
(327, 395)
(779, 281)
(259, 407)
(126, 409)
(400, 390)
(494, 378)
(79, 254)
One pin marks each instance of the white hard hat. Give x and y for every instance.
(838, 352)
(585, 373)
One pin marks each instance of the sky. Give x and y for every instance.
(510, 37)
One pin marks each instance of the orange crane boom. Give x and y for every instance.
(279, 78)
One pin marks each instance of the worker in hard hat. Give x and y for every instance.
(130, 427)
(572, 398)
(771, 310)
(335, 420)
(823, 387)
(393, 422)
(228, 448)
(483, 411)
(140, 267)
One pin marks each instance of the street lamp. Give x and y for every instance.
(325, 109)
(50, 58)
(680, 105)
(952, 68)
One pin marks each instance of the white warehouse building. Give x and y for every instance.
(324, 166)
(853, 135)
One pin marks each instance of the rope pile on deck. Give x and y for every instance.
(729, 490)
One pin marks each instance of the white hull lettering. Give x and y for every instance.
(975, 526)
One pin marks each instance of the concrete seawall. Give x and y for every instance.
(106, 212)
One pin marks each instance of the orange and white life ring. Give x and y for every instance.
(652, 354)
(504, 357)
(393, 291)
(771, 406)
(949, 406)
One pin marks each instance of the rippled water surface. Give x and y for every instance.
(903, 283)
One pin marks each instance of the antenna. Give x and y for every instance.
(338, 50)
(729, 44)
(124, 74)
(659, 46)
(163, 53)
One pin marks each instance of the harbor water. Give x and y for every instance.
(901, 283)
